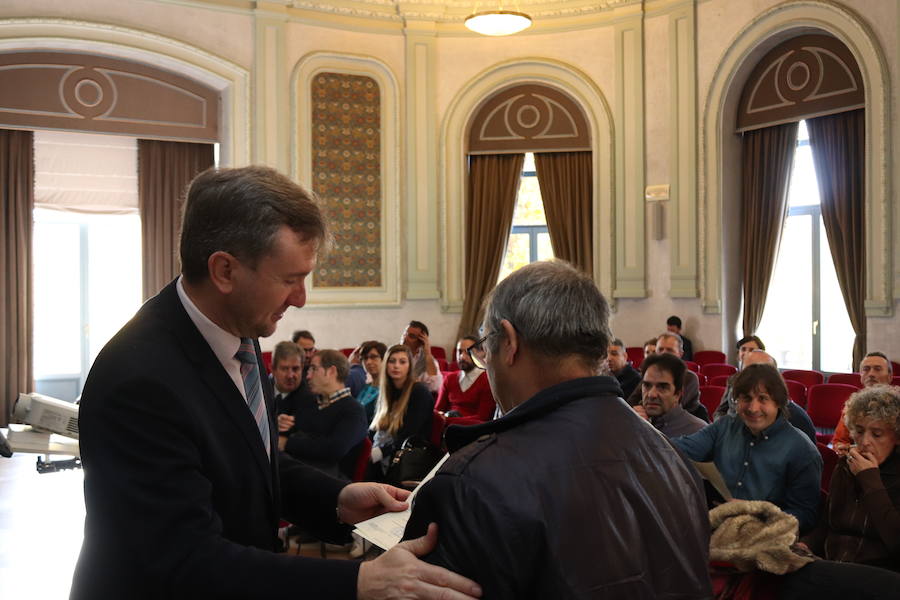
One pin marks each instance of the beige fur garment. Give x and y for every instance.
(754, 535)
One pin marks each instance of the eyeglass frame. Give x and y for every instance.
(478, 360)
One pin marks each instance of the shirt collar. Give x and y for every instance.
(326, 402)
(225, 345)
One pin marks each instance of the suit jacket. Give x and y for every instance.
(182, 500)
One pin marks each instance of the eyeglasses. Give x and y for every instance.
(476, 352)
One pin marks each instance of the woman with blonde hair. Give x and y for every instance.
(404, 409)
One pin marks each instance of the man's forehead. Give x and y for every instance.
(412, 330)
(463, 344)
(654, 373)
(874, 361)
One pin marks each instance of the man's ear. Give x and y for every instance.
(222, 267)
(510, 342)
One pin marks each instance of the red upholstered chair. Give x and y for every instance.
(438, 352)
(829, 462)
(711, 397)
(267, 360)
(362, 460)
(807, 378)
(705, 357)
(796, 392)
(442, 364)
(636, 355)
(438, 424)
(347, 351)
(695, 367)
(895, 380)
(824, 404)
(846, 378)
(895, 367)
(719, 380)
(713, 369)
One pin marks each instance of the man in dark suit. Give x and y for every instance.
(184, 483)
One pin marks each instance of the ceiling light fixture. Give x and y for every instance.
(498, 22)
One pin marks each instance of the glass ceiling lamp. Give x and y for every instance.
(498, 22)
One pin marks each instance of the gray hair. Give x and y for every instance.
(555, 309)
(671, 334)
(878, 402)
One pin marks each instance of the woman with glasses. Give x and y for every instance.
(403, 410)
(371, 355)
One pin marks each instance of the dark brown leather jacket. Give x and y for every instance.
(570, 495)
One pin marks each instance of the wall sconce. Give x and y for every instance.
(655, 195)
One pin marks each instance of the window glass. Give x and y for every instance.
(528, 240)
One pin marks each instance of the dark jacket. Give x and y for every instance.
(570, 495)
(629, 378)
(861, 519)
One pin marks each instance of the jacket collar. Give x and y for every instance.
(545, 401)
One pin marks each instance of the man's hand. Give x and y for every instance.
(285, 423)
(353, 359)
(399, 574)
(639, 409)
(360, 501)
(426, 343)
(860, 461)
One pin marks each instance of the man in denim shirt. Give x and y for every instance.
(760, 455)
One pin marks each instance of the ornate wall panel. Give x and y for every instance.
(804, 77)
(346, 175)
(525, 118)
(84, 92)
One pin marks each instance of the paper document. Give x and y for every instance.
(710, 473)
(386, 531)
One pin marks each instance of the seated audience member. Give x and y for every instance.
(649, 348)
(568, 494)
(875, 369)
(321, 432)
(690, 398)
(371, 354)
(425, 367)
(404, 409)
(291, 389)
(673, 325)
(622, 370)
(760, 455)
(307, 344)
(796, 415)
(660, 395)
(746, 345)
(466, 393)
(861, 519)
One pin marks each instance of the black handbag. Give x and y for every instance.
(412, 462)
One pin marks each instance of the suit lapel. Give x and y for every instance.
(213, 374)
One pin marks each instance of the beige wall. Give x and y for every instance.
(589, 47)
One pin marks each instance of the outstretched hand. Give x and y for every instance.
(400, 574)
(360, 501)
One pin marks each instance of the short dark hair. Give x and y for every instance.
(471, 338)
(890, 367)
(240, 211)
(750, 338)
(302, 334)
(336, 359)
(652, 340)
(375, 345)
(673, 320)
(419, 325)
(747, 380)
(669, 363)
(285, 350)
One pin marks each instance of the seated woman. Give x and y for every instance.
(861, 519)
(404, 409)
(371, 354)
(760, 454)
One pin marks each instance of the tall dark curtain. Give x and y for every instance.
(565, 179)
(768, 157)
(838, 146)
(16, 298)
(493, 184)
(164, 171)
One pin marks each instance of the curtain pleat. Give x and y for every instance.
(768, 156)
(493, 185)
(16, 297)
(164, 171)
(838, 148)
(565, 180)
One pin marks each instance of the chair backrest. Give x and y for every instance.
(807, 378)
(355, 462)
(704, 357)
(796, 392)
(829, 462)
(438, 352)
(438, 424)
(636, 355)
(895, 367)
(825, 403)
(720, 380)
(846, 378)
(695, 367)
(442, 364)
(267, 360)
(895, 380)
(347, 351)
(713, 369)
(711, 397)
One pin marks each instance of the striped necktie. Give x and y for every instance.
(250, 375)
